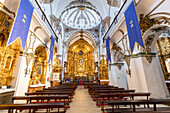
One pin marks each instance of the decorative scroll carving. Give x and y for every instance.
(118, 56)
(55, 22)
(127, 60)
(146, 21)
(106, 23)
(149, 40)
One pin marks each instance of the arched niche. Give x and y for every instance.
(8, 62)
(39, 67)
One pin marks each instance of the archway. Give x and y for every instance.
(39, 67)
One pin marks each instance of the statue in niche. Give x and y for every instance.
(34, 79)
(2, 39)
(80, 62)
(35, 63)
(167, 62)
(39, 71)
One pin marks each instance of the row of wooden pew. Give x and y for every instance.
(121, 100)
(49, 98)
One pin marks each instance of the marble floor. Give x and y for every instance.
(82, 102)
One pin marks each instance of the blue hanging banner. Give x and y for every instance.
(133, 27)
(51, 50)
(22, 23)
(108, 51)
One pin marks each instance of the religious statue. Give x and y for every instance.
(80, 62)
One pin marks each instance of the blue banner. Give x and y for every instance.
(108, 51)
(22, 23)
(51, 50)
(133, 27)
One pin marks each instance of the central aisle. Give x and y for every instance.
(83, 103)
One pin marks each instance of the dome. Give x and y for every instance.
(80, 15)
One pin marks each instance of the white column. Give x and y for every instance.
(99, 47)
(147, 77)
(63, 63)
(111, 73)
(98, 60)
(21, 81)
(48, 74)
(60, 43)
(62, 50)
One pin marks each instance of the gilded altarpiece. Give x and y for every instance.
(39, 67)
(80, 59)
(163, 48)
(8, 54)
(103, 71)
(56, 63)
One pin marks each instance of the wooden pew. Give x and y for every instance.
(44, 99)
(54, 90)
(119, 96)
(96, 93)
(138, 102)
(33, 107)
(69, 93)
(98, 89)
(86, 85)
(63, 87)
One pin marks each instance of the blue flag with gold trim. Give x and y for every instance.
(133, 27)
(51, 50)
(22, 23)
(108, 50)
